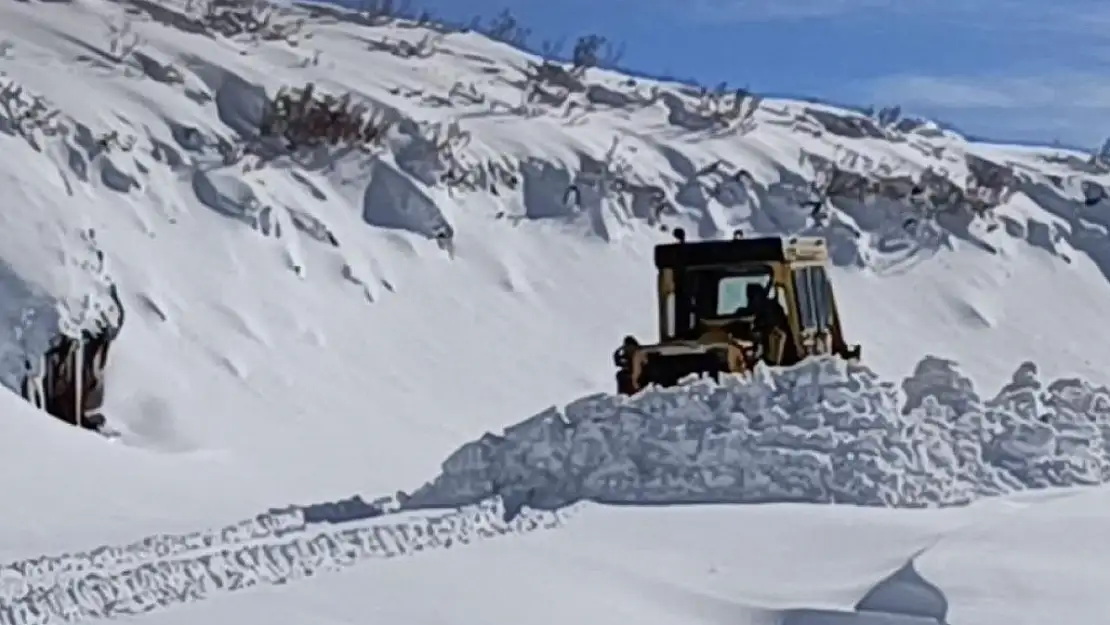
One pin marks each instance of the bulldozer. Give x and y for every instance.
(726, 305)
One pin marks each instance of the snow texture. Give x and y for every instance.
(821, 432)
(312, 324)
(275, 547)
(824, 431)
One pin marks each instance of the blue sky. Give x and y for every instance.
(1025, 70)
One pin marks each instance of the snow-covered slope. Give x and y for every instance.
(301, 330)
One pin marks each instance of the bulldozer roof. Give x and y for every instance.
(739, 250)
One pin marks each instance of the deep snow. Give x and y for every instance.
(297, 336)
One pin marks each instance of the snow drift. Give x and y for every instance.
(825, 431)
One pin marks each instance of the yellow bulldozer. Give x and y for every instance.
(725, 305)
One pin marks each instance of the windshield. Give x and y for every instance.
(732, 292)
(725, 293)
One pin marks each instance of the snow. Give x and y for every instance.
(822, 432)
(308, 381)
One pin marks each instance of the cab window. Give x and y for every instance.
(716, 293)
(732, 292)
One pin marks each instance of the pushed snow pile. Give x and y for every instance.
(824, 431)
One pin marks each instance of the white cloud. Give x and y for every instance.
(760, 10)
(1047, 88)
(1073, 107)
(1067, 90)
(1019, 15)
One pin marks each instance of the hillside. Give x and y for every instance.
(307, 325)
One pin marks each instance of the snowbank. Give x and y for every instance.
(825, 431)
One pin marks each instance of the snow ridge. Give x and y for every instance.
(825, 431)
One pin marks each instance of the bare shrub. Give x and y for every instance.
(551, 83)
(433, 153)
(552, 49)
(716, 110)
(466, 92)
(490, 176)
(304, 118)
(832, 183)
(607, 175)
(506, 29)
(157, 70)
(595, 51)
(727, 187)
(381, 12)
(546, 95)
(935, 193)
(927, 194)
(425, 48)
(727, 107)
(376, 13)
(27, 116)
(555, 75)
(847, 125)
(610, 178)
(599, 97)
(122, 41)
(256, 20)
(888, 117)
(111, 141)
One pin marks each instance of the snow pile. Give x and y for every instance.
(825, 431)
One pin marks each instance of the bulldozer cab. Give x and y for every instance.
(725, 305)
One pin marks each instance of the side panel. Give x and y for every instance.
(666, 302)
(839, 344)
(784, 280)
(820, 321)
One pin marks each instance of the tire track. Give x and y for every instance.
(48, 571)
(140, 582)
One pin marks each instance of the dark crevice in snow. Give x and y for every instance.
(903, 598)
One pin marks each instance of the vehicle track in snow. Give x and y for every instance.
(271, 549)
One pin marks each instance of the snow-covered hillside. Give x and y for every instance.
(359, 321)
